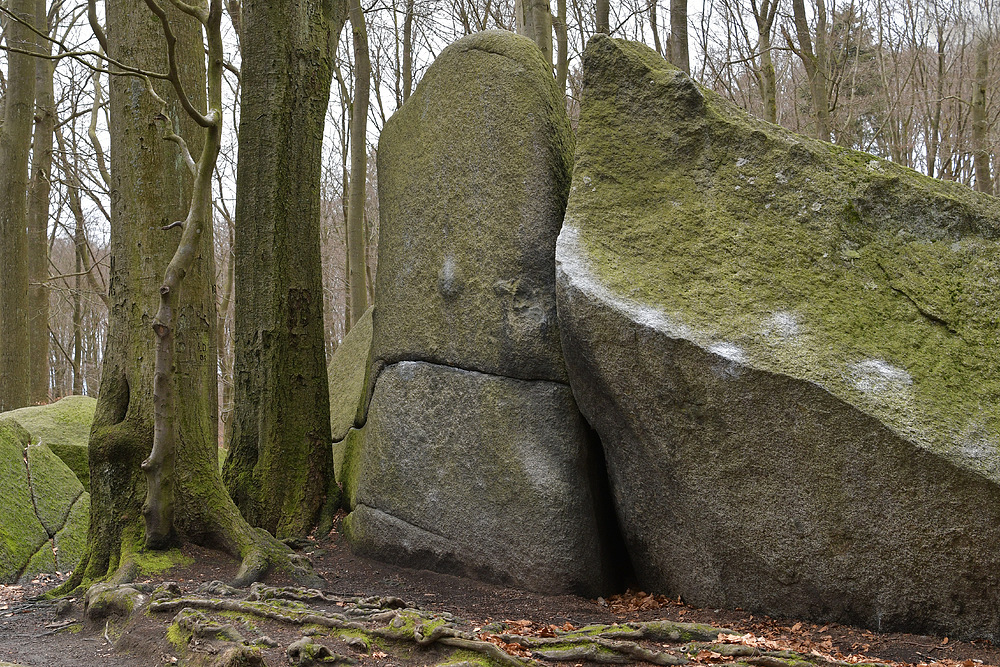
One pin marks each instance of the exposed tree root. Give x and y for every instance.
(390, 618)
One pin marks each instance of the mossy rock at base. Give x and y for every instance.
(71, 540)
(64, 426)
(480, 475)
(473, 174)
(348, 371)
(790, 351)
(21, 532)
(44, 508)
(346, 460)
(54, 488)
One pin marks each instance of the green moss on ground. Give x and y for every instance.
(154, 562)
(75, 458)
(792, 255)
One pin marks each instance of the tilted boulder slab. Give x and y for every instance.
(475, 458)
(790, 352)
(348, 403)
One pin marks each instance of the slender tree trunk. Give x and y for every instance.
(534, 20)
(80, 249)
(764, 15)
(38, 218)
(358, 303)
(934, 140)
(678, 42)
(980, 126)
(408, 51)
(602, 17)
(654, 25)
(562, 44)
(15, 142)
(815, 76)
(279, 470)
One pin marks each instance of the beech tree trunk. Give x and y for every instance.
(15, 142)
(602, 16)
(678, 42)
(356, 261)
(150, 188)
(279, 469)
(980, 126)
(38, 219)
(813, 62)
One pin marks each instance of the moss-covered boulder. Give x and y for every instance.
(473, 174)
(479, 474)
(44, 509)
(63, 426)
(790, 351)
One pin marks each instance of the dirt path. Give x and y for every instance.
(30, 631)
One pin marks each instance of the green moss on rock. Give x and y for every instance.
(803, 258)
(54, 488)
(21, 532)
(347, 460)
(71, 539)
(347, 378)
(64, 426)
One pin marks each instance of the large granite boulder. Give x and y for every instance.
(475, 458)
(790, 352)
(473, 174)
(44, 508)
(481, 475)
(63, 426)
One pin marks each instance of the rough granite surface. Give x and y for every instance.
(790, 351)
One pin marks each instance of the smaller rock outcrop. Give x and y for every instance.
(44, 508)
(348, 398)
(64, 427)
(478, 474)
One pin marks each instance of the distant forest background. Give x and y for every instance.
(910, 81)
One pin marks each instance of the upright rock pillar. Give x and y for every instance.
(476, 460)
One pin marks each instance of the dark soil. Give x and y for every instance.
(32, 632)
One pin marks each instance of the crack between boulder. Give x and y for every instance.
(34, 507)
(387, 364)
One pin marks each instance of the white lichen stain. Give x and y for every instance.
(873, 376)
(782, 324)
(728, 351)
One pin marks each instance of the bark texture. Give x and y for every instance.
(280, 467)
(15, 142)
(38, 220)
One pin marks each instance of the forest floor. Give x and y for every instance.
(36, 632)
